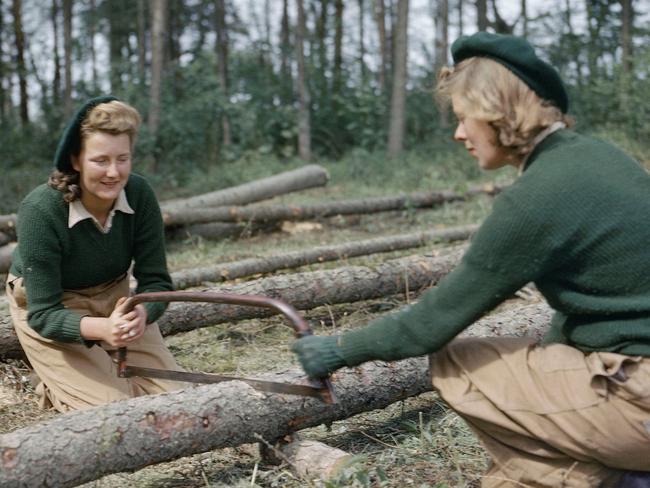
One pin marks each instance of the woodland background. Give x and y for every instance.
(235, 89)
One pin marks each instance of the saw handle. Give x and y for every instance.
(300, 326)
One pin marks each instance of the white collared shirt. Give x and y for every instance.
(554, 127)
(78, 213)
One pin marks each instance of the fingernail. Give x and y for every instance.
(131, 333)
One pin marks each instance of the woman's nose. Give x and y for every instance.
(460, 135)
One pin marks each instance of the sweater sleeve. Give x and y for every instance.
(41, 253)
(510, 249)
(150, 269)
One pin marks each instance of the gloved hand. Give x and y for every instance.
(318, 355)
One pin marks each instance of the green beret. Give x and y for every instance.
(516, 54)
(70, 142)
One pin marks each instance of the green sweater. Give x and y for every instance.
(52, 258)
(577, 224)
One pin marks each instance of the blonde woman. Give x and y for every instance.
(573, 410)
(77, 238)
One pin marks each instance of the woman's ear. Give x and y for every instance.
(75, 163)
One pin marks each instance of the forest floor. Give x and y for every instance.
(417, 442)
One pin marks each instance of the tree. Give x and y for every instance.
(304, 120)
(524, 18)
(481, 15)
(222, 66)
(285, 60)
(338, 47)
(158, 23)
(398, 98)
(380, 17)
(626, 35)
(56, 81)
(142, 41)
(67, 53)
(19, 36)
(362, 47)
(442, 47)
(460, 17)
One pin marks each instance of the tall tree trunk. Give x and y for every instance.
(20, 60)
(481, 15)
(321, 36)
(222, 66)
(380, 17)
(92, 30)
(158, 24)
(398, 99)
(461, 26)
(286, 80)
(338, 47)
(441, 48)
(304, 102)
(362, 46)
(626, 35)
(56, 82)
(569, 30)
(142, 41)
(67, 52)
(3, 92)
(524, 18)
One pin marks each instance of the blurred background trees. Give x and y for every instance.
(219, 81)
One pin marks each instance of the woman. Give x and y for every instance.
(575, 409)
(77, 238)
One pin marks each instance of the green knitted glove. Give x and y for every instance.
(318, 355)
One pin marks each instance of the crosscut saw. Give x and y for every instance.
(321, 388)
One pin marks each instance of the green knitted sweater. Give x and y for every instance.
(577, 224)
(52, 258)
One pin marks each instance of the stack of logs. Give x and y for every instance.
(129, 435)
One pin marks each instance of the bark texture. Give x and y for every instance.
(247, 267)
(302, 178)
(274, 213)
(125, 436)
(5, 256)
(302, 290)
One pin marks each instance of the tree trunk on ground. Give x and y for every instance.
(8, 222)
(274, 213)
(397, 123)
(248, 267)
(304, 101)
(4, 239)
(5, 256)
(302, 290)
(128, 435)
(295, 180)
(158, 23)
(314, 460)
(19, 36)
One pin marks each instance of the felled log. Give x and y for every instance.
(247, 267)
(309, 176)
(125, 436)
(303, 290)
(5, 256)
(5, 238)
(8, 222)
(274, 213)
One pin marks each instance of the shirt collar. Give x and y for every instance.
(78, 212)
(554, 127)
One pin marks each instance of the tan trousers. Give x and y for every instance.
(74, 376)
(549, 416)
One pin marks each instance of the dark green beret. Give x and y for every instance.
(516, 54)
(70, 142)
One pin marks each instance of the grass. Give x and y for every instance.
(418, 442)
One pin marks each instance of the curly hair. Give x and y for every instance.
(114, 118)
(484, 89)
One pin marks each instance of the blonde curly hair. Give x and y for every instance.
(486, 90)
(112, 117)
